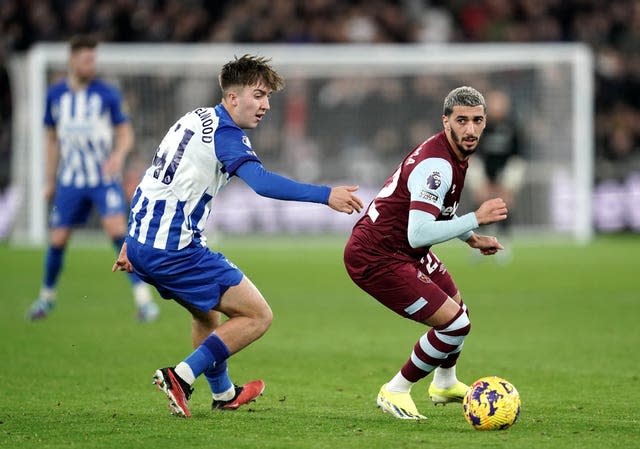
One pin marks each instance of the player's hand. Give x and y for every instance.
(343, 199)
(122, 262)
(488, 245)
(491, 211)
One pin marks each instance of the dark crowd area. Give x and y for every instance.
(610, 28)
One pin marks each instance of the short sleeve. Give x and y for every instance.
(115, 105)
(49, 120)
(233, 148)
(428, 184)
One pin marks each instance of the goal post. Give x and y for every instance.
(349, 113)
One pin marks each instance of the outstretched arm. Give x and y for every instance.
(343, 199)
(273, 185)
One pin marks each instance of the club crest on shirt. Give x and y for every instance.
(423, 277)
(434, 180)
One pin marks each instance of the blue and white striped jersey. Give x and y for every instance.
(84, 122)
(195, 159)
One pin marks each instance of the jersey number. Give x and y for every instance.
(160, 159)
(386, 191)
(431, 262)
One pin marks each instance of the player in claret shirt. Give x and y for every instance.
(88, 137)
(389, 252)
(166, 246)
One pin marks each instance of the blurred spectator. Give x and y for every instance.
(611, 29)
(500, 166)
(498, 170)
(618, 144)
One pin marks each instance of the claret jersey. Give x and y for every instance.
(195, 159)
(429, 179)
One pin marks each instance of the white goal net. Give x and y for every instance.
(348, 114)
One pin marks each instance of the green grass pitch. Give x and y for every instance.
(560, 322)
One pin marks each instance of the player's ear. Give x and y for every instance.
(233, 97)
(445, 122)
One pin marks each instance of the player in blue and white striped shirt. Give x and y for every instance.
(166, 246)
(88, 137)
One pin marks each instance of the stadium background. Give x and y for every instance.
(560, 321)
(609, 28)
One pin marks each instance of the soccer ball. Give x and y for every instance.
(491, 403)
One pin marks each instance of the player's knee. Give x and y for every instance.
(263, 318)
(58, 239)
(267, 318)
(459, 326)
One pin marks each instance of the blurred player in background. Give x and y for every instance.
(499, 169)
(165, 246)
(389, 253)
(88, 137)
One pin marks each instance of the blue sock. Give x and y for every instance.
(53, 266)
(117, 244)
(218, 378)
(211, 352)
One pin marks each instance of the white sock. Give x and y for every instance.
(445, 377)
(225, 396)
(184, 371)
(399, 384)
(48, 294)
(142, 294)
